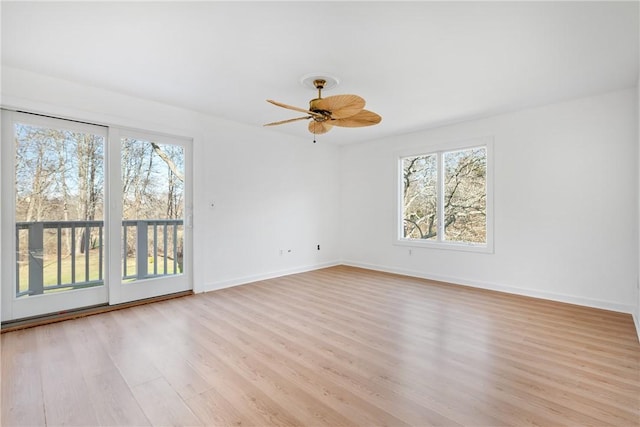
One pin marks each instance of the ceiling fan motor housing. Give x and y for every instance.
(323, 116)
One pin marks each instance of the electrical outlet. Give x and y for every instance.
(318, 247)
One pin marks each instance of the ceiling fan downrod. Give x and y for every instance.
(319, 84)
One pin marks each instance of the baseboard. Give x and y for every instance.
(636, 320)
(570, 299)
(214, 286)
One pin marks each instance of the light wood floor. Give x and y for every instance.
(339, 346)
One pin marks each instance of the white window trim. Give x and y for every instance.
(440, 148)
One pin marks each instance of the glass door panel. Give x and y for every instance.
(154, 196)
(53, 172)
(152, 209)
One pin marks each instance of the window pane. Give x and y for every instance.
(465, 197)
(59, 178)
(420, 197)
(152, 209)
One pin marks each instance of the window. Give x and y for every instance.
(445, 198)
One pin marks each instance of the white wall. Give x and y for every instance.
(270, 191)
(566, 204)
(566, 194)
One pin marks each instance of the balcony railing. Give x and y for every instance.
(156, 242)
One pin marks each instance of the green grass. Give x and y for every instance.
(50, 269)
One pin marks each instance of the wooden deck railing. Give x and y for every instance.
(86, 264)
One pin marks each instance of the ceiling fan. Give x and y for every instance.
(337, 110)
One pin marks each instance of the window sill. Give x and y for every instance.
(463, 247)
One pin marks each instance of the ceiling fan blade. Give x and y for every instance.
(288, 121)
(290, 107)
(318, 128)
(340, 106)
(363, 118)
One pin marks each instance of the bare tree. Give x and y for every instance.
(137, 165)
(152, 189)
(464, 197)
(35, 170)
(420, 197)
(63, 161)
(90, 179)
(169, 161)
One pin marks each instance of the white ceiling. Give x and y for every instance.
(418, 64)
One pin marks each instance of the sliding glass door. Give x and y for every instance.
(90, 215)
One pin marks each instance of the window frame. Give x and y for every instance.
(439, 150)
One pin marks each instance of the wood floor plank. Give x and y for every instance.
(291, 397)
(65, 391)
(162, 405)
(418, 307)
(214, 409)
(122, 341)
(612, 364)
(340, 346)
(113, 402)
(460, 341)
(242, 388)
(384, 365)
(22, 400)
(268, 337)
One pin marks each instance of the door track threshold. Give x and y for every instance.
(17, 325)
